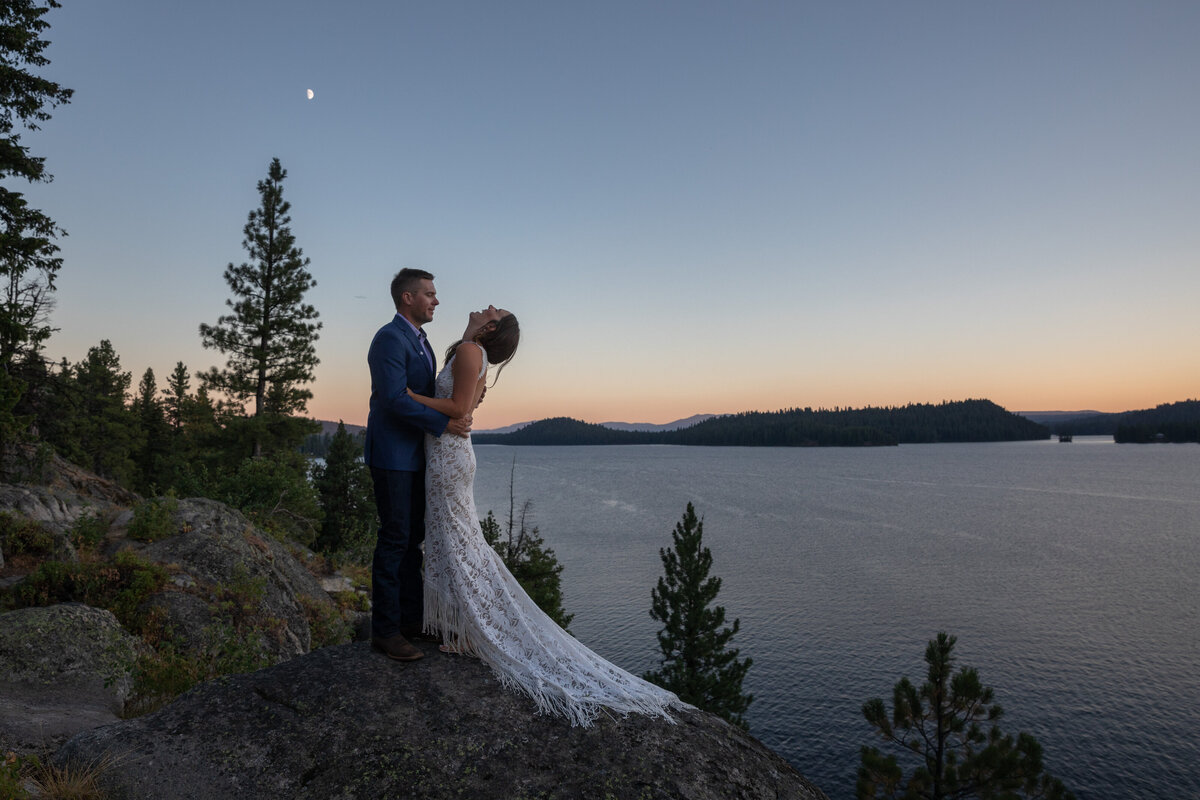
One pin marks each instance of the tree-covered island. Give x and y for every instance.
(915, 423)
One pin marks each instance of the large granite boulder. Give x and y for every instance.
(63, 669)
(344, 722)
(218, 546)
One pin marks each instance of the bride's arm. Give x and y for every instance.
(466, 368)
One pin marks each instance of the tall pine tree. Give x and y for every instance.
(697, 663)
(154, 449)
(269, 337)
(188, 430)
(103, 433)
(175, 396)
(28, 254)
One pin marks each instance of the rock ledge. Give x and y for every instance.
(344, 722)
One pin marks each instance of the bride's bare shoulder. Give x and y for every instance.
(466, 351)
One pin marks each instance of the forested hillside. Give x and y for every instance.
(963, 421)
(1170, 422)
(562, 431)
(1177, 422)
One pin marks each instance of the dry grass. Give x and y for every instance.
(75, 781)
(359, 575)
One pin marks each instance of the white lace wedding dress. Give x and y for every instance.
(471, 599)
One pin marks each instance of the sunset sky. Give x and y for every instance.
(693, 207)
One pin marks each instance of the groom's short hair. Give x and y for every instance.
(407, 280)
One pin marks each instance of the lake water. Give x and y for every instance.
(1070, 574)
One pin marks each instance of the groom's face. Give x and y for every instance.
(424, 301)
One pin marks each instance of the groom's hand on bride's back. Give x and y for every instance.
(459, 427)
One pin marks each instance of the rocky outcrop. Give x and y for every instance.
(344, 722)
(337, 722)
(233, 592)
(55, 510)
(65, 490)
(63, 669)
(218, 546)
(55, 494)
(53, 513)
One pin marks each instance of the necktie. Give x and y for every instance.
(425, 346)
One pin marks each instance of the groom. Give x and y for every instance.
(400, 358)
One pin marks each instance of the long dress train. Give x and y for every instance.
(473, 600)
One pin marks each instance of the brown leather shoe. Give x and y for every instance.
(396, 647)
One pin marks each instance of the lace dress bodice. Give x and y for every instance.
(473, 600)
(443, 384)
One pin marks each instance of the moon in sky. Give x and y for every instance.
(310, 94)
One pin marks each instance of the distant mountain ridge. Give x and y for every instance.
(329, 427)
(1050, 417)
(516, 426)
(687, 422)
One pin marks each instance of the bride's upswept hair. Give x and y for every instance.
(500, 343)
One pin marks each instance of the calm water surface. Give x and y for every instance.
(1069, 572)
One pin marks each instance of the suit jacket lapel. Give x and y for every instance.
(413, 342)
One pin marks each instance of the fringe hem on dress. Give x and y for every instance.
(443, 617)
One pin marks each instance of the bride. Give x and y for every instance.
(471, 599)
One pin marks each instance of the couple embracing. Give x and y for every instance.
(423, 467)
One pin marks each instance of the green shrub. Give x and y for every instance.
(351, 601)
(236, 642)
(120, 585)
(22, 536)
(241, 598)
(233, 644)
(161, 674)
(154, 519)
(275, 493)
(88, 532)
(12, 785)
(359, 575)
(231, 650)
(167, 670)
(326, 625)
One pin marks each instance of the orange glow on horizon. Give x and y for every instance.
(649, 391)
(500, 411)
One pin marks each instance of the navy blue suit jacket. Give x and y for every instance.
(397, 424)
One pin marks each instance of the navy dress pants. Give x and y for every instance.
(397, 594)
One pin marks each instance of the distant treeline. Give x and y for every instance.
(1169, 422)
(1174, 432)
(961, 421)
